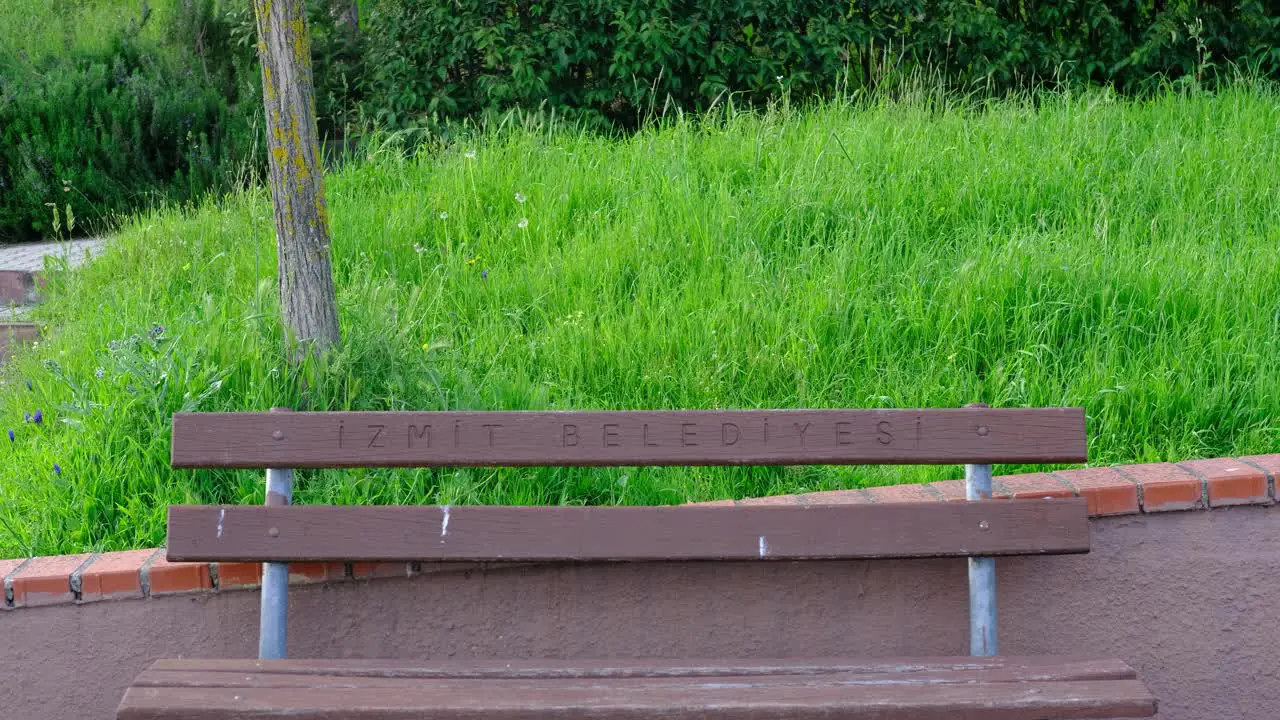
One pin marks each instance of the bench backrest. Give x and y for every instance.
(739, 437)
(410, 534)
(634, 438)
(279, 441)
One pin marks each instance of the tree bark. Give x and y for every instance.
(307, 300)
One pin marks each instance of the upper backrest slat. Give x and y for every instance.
(692, 437)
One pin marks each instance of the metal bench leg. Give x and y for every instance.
(982, 575)
(273, 627)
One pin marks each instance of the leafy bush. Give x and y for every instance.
(165, 107)
(106, 135)
(153, 115)
(337, 60)
(617, 62)
(147, 114)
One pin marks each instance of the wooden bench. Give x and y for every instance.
(985, 686)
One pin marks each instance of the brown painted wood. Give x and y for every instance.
(1006, 668)
(332, 533)
(401, 673)
(996, 689)
(285, 680)
(696, 437)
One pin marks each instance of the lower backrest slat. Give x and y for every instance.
(488, 533)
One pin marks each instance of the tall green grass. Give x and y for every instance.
(1055, 250)
(32, 31)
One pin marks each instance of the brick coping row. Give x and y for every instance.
(1121, 490)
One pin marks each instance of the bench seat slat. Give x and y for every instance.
(488, 533)
(1013, 668)
(640, 437)
(1001, 689)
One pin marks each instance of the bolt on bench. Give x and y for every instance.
(986, 686)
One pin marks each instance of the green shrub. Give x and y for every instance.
(618, 62)
(107, 135)
(146, 113)
(150, 115)
(163, 105)
(337, 59)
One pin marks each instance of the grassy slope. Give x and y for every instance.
(1087, 251)
(33, 30)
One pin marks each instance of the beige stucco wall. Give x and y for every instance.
(1191, 599)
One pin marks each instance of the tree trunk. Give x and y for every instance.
(297, 179)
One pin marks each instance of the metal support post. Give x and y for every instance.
(273, 627)
(982, 575)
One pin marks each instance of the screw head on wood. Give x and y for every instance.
(277, 435)
(982, 430)
(273, 532)
(984, 525)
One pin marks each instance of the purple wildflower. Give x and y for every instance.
(484, 274)
(26, 417)
(10, 434)
(29, 385)
(57, 469)
(38, 417)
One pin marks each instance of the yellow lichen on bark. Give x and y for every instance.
(268, 85)
(301, 41)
